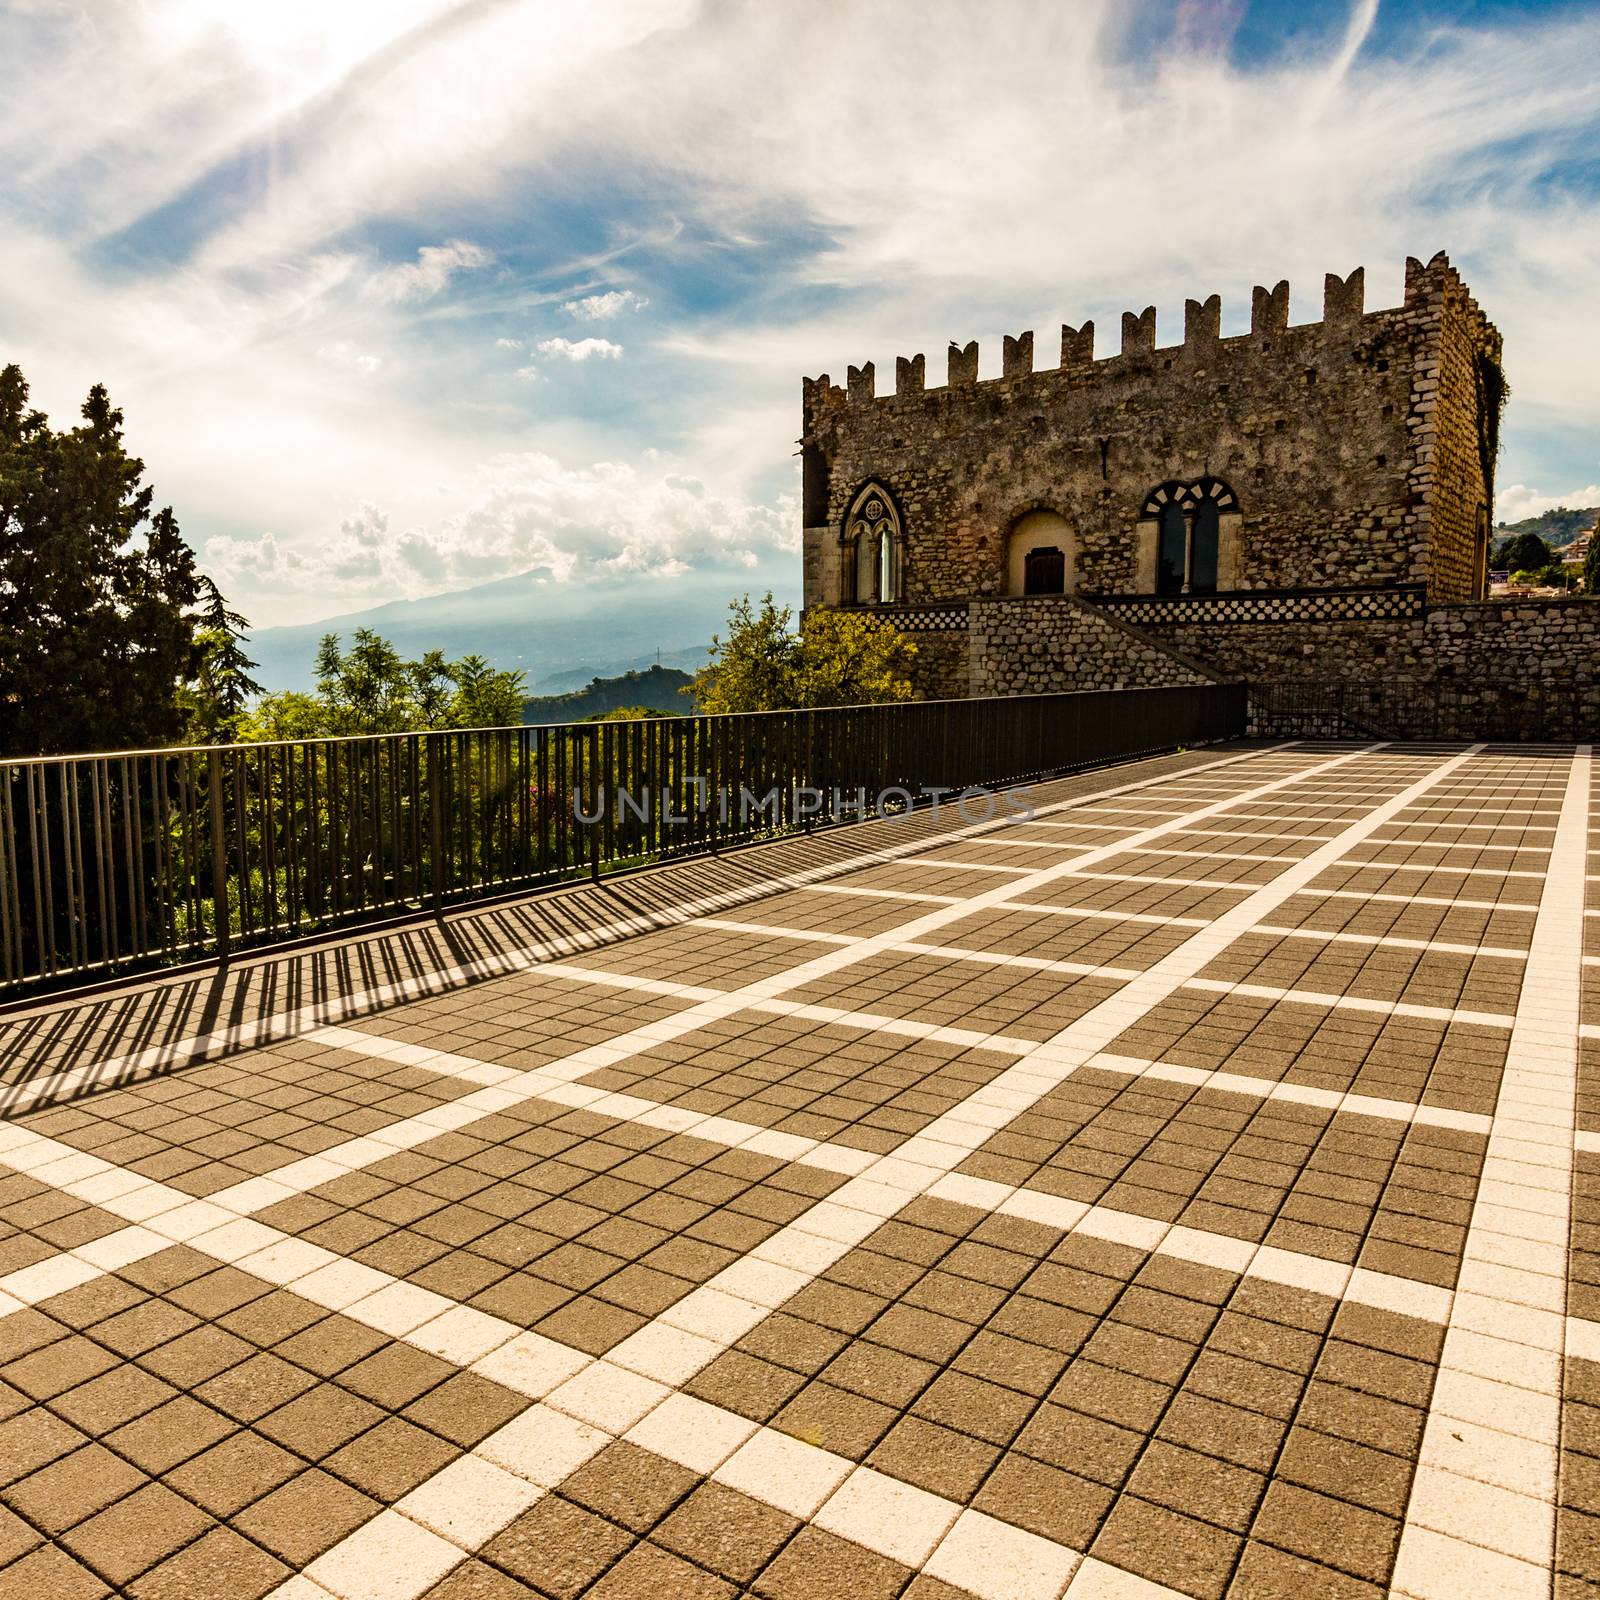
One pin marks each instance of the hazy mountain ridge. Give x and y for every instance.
(562, 635)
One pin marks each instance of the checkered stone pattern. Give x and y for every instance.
(1160, 1192)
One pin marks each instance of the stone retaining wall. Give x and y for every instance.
(1055, 643)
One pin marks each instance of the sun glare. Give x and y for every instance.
(297, 42)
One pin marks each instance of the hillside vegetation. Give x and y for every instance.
(656, 689)
(1557, 528)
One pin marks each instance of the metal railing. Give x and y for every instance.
(143, 858)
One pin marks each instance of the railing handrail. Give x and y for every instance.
(526, 727)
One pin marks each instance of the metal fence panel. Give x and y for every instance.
(140, 858)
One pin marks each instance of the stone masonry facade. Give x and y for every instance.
(1305, 502)
(1358, 451)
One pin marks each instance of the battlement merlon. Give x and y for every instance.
(1434, 283)
(1440, 284)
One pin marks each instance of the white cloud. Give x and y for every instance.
(508, 344)
(602, 307)
(428, 275)
(1515, 501)
(580, 349)
(523, 511)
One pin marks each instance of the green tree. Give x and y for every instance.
(836, 658)
(103, 616)
(752, 669)
(1591, 564)
(372, 688)
(433, 689)
(1527, 552)
(287, 714)
(630, 714)
(850, 658)
(223, 688)
(366, 689)
(485, 697)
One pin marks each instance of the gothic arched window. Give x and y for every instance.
(1189, 521)
(870, 549)
(1172, 556)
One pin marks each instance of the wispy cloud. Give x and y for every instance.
(345, 353)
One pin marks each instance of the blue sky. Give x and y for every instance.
(404, 295)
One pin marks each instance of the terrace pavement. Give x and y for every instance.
(1191, 1189)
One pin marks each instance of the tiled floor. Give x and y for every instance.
(1192, 1190)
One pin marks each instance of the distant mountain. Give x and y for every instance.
(562, 635)
(656, 688)
(1557, 528)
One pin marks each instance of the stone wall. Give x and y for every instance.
(1455, 418)
(1510, 642)
(941, 670)
(1350, 443)
(1516, 641)
(1054, 643)
(1512, 669)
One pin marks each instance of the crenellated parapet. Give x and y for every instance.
(1202, 321)
(1077, 346)
(963, 364)
(1269, 309)
(1438, 282)
(1139, 331)
(1427, 286)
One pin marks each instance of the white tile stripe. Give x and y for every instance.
(975, 866)
(1351, 1002)
(1167, 883)
(1335, 1100)
(1522, 907)
(1526, 907)
(719, 1315)
(15, 1098)
(1430, 866)
(1480, 1522)
(1317, 1274)
(1390, 941)
(1146, 850)
(919, 947)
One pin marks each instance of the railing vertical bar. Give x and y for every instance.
(10, 904)
(219, 853)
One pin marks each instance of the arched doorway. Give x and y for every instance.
(1040, 555)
